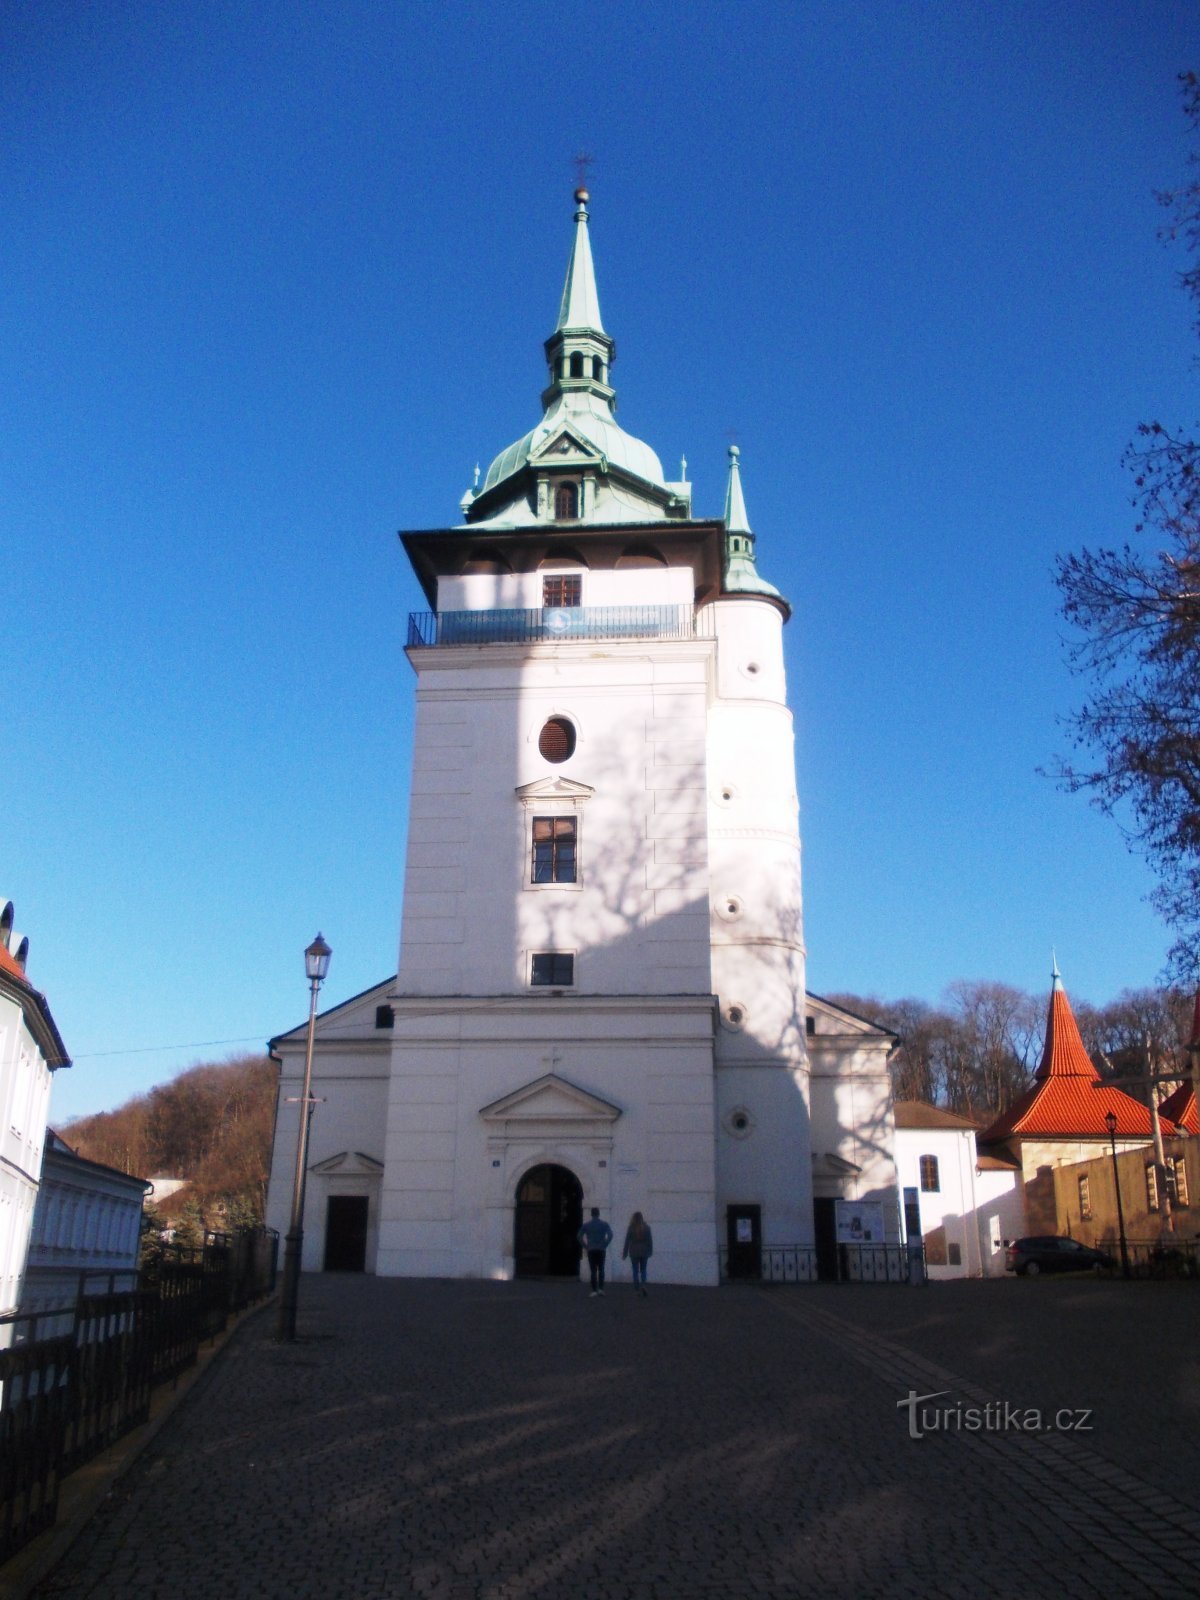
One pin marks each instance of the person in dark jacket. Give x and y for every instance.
(639, 1247)
(596, 1236)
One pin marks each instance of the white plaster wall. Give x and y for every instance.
(450, 1183)
(25, 1081)
(953, 1205)
(648, 586)
(351, 1060)
(756, 927)
(637, 920)
(1000, 1215)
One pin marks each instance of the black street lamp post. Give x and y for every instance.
(316, 965)
(1110, 1122)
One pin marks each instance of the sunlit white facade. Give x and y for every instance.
(600, 997)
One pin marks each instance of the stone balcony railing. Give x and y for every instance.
(554, 624)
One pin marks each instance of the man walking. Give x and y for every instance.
(596, 1236)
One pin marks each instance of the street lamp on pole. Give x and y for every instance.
(316, 965)
(1110, 1122)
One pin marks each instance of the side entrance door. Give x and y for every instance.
(743, 1239)
(346, 1233)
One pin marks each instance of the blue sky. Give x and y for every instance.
(278, 276)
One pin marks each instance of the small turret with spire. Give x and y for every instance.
(741, 574)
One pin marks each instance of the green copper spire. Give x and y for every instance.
(580, 306)
(741, 575)
(579, 351)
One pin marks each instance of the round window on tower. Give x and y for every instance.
(556, 742)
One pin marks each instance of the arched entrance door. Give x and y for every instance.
(549, 1215)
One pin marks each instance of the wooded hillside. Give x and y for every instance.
(977, 1050)
(212, 1125)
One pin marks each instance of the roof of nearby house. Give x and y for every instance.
(923, 1114)
(994, 1163)
(1068, 1099)
(13, 967)
(1180, 1108)
(58, 1150)
(36, 1008)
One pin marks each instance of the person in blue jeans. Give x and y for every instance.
(596, 1236)
(639, 1247)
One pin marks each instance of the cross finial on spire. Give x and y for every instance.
(582, 160)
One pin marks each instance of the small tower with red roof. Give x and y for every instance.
(1061, 1117)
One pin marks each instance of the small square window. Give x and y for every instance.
(385, 1017)
(554, 841)
(551, 970)
(562, 591)
(954, 1255)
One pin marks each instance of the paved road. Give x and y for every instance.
(525, 1442)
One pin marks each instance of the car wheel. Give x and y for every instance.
(1032, 1269)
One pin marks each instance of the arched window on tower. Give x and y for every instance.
(597, 369)
(566, 502)
(577, 365)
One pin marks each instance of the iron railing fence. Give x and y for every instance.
(74, 1379)
(842, 1263)
(552, 624)
(1155, 1258)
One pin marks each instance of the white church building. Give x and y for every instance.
(601, 990)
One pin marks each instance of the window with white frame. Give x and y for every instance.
(554, 850)
(1151, 1187)
(551, 969)
(1085, 1198)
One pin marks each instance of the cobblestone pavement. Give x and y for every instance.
(525, 1442)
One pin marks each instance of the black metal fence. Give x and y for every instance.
(842, 1263)
(74, 1379)
(1156, 1258)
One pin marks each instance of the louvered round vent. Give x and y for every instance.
(556, 742)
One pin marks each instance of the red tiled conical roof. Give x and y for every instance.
(1180, 1108)
(1067, 1099)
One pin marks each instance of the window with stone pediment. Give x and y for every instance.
(554, 849)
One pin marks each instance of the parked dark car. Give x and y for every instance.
(1045, 1253)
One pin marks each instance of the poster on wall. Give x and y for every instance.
(859, 1221)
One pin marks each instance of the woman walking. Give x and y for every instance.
(639, 1247)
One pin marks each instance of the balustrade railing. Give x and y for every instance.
(555, 624)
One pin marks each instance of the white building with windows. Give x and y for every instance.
(31, 1051)
(959, 1204)
(600, 997)
(87, 1229)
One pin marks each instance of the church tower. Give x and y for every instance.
(600, 997)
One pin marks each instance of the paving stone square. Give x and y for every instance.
(523, 1441)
